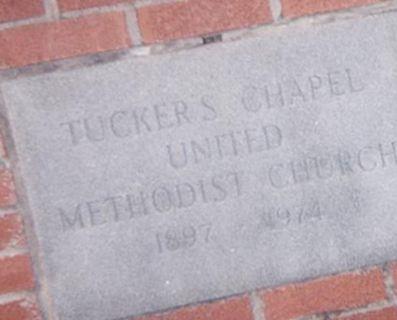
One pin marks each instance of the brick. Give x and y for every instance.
(199, 17)
(68, 5)
(298, 8)
(11, 231)
(385, 314)
(16, 274)
(231, 309)
(20, 9)
(7, 189)
(327, 294)
(25, 309)
(63, 39)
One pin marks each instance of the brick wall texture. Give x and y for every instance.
(39, 31)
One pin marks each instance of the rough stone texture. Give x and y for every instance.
(183, 19)
(20, 9)
(63, 39)
(297, 8)
(297, 185)
(330, 294)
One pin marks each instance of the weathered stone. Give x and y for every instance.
(161, 181)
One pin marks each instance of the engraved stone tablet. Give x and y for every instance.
(167, 180)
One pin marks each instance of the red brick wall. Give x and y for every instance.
(36, 31)
(17, 281)
(73, 28)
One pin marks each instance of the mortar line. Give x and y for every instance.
(144, 3)
(24, 22)
(257, 306)
(16, 296)
(9, 210)
(360, 310)
(390, 283)
(133, 26)
(52, 9)
(276, 9)
(320, 316)
(13, 252)
(95, 10)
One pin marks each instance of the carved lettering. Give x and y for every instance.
(139, 120)
(314, 168)
(293, 91)
(218, 147)
(164, 198)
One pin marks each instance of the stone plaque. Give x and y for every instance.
(167, 180)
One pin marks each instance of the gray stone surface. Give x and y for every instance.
(166, 180)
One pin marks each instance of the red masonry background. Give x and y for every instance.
(37, 31)
(20, 9)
